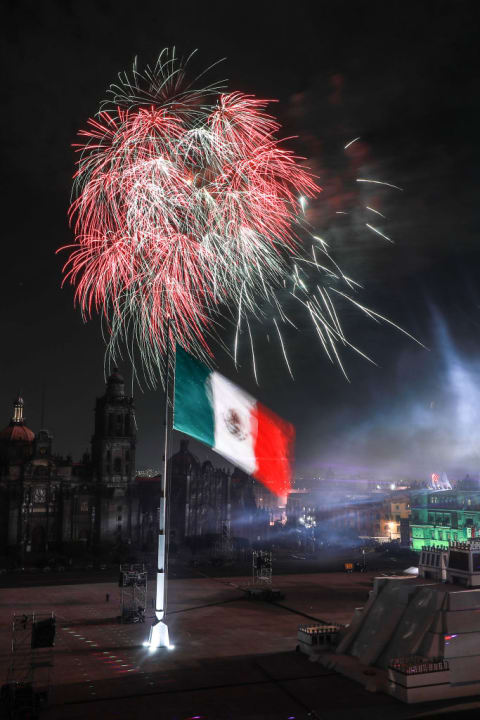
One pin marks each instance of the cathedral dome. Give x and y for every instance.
(16, 432)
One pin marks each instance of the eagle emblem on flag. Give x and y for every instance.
(234, 424)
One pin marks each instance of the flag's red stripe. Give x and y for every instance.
(273, 450)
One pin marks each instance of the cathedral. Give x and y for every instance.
(50, 504)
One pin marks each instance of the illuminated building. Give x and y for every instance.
(367, 516)
(446, 516)
(398, 510)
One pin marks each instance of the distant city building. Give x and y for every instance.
(446, 516)
(335, 514)
(398, 507)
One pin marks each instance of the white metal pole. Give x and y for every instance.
(159, 636)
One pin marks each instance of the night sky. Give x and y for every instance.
(400, 75)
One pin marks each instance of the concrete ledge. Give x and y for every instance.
(429, 693)
(419, 679)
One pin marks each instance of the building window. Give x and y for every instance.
(117, 466)
(84, 506)
(119, 518)
(119, 508)
(39, 495)
(458, 560)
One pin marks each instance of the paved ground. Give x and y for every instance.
(184, 565)
(233, 658)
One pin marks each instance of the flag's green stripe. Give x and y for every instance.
(193, 413)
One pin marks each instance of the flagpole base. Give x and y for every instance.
(159, 637)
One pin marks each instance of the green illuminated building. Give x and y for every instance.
(440, 517)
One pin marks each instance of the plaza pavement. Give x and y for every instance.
(233, 658)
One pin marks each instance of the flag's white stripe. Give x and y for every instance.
(234, 431)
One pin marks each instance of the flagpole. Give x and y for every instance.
(159, 636)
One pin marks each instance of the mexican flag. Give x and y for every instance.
(213, 410)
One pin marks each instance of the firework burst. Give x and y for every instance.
(187, 206)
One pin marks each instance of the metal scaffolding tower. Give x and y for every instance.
(133, 595)
(262, 567)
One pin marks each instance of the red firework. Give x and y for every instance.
(182, 208)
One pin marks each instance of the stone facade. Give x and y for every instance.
(50, 504)
(113, 464)
(205, 503)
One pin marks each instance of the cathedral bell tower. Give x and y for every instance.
(113, 458)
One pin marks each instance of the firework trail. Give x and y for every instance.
(187, 206)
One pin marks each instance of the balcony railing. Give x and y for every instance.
(415, 665)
